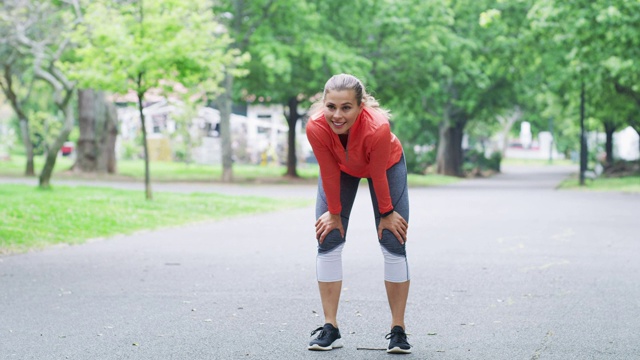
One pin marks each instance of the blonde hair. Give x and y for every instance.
(342, 82)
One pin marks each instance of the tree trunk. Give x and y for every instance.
(609, 129)
(7, 87)
(224, 104)
(86, 149)
(634, 122)
(112, 136)
(507, 124)
(583, 139)
(98, 128)
(52, 154)
(145, 146)
(449, 157)
(28, 146)
(292, 119)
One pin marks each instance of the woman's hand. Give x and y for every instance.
(327, 222)
(396, 224)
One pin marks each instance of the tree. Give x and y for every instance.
(16, 73)
(290, 60)
(97, 119)
(147, 44)
(241, 19)
(595, 42)
(39, 32)
(11, 90)
(428, 71)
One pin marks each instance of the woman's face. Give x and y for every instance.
(341, 110)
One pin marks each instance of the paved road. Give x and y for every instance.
(502, 268)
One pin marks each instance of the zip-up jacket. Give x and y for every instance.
(371, 149)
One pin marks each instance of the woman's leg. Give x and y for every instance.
(329, 258)
(397, 294)
(330, 297)
(395, 257)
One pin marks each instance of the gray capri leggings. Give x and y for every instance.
(329, 259)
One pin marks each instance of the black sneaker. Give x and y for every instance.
(328, 338)
(398, 341)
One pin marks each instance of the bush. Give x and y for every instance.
(475, 162)
(132, 150)
(419, 162)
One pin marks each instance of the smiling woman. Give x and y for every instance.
(351, 138)
(340, 111)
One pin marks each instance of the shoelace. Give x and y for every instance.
(401, 336)
(318, 329)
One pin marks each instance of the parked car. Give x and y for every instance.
(67, 148)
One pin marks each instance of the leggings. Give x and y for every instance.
(329, 258)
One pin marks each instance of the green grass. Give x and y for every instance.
(17, 164)
(172, 171)
(32, 218)
(167, 171)
(415, 180)
(536, 162)
(625, 184)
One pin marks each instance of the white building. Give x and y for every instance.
(259, 135)
(626, 144)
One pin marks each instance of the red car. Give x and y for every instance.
(67, 148)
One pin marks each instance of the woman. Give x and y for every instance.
(351, 138)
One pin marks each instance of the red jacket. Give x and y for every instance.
(371, 149)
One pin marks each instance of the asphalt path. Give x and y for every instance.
(502, 268)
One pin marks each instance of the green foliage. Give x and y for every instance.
(595, 42)
(44, 128)
(150, 44)
(475, 162)
(431, 62)
(419, 162)
(131, 149)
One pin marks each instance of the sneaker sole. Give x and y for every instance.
(397, 350)
(335, 345)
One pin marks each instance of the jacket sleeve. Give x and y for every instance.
(380, 151)
(329, 168)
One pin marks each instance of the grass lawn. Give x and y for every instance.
(172, 171)
(165, 171)
(625, 184)
(415, 180)
(535, 162)
(33, 218)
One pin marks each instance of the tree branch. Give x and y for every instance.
(266, 9)
(621, 89)
(10, 94)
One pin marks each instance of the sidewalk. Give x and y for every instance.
(502, 268)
